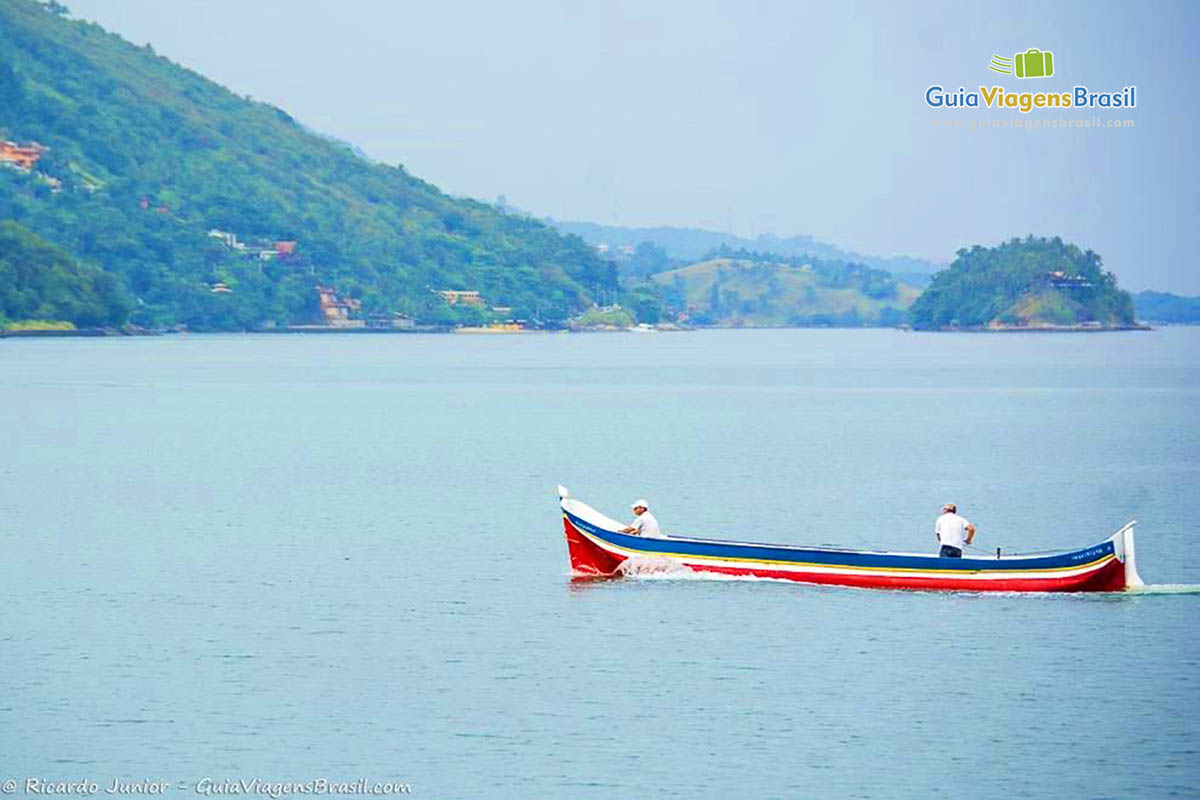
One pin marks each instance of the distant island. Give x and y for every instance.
(1166, 308)
(1024, 284)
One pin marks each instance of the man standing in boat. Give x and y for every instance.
(953, 532)
(644, 523)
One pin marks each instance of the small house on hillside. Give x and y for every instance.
(337, 313)
(1061, 280)
(455, 297)
(23, 157)
(230, 240)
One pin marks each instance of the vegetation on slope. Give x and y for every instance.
(1031, 282)
(749, 288)
(146, 157)
(39, 281)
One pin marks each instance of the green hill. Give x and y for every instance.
(753, 289)
(146, 158)
(1024, 283)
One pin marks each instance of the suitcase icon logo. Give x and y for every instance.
(1033, 63)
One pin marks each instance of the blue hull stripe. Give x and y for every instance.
(714, 548)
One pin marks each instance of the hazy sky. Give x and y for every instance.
(748, 117)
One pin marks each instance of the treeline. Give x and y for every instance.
(1023, 282)
(877, 284)
(39, 281)
(145, 157)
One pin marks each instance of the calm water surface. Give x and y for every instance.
(292, 557)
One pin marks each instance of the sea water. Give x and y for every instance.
(293, 558)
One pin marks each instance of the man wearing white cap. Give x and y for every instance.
(644, 523)
(953, 532)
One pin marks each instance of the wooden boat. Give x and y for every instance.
(598, 548)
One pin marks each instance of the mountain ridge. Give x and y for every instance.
(1167, 308)
(692, 244)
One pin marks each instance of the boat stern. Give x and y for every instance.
(1123, 546)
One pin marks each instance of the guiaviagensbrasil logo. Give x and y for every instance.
(1032, 63)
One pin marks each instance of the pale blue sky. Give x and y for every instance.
(745, 117)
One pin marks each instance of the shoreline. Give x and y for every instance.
(1044, 329)
(92, 333)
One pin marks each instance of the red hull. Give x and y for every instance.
(1108, 578)
(586, 557)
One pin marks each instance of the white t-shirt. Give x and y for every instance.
(646, 525)
(951, 529)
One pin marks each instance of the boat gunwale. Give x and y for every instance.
(953, 569)
(1029, 562)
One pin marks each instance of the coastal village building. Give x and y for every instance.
(394, 321)
(336, 313)
(1061, 280)
(230, 240)
(263, 251)
(22, 157)
(454, 297)
(282, 250)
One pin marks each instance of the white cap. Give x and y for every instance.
(641, 502)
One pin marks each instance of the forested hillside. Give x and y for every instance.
(1030, 282)
(742, 287)
(43, 283)
(142, 159)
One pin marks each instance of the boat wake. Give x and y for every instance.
(1165, 588)
(653, 568)
(664, 570)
